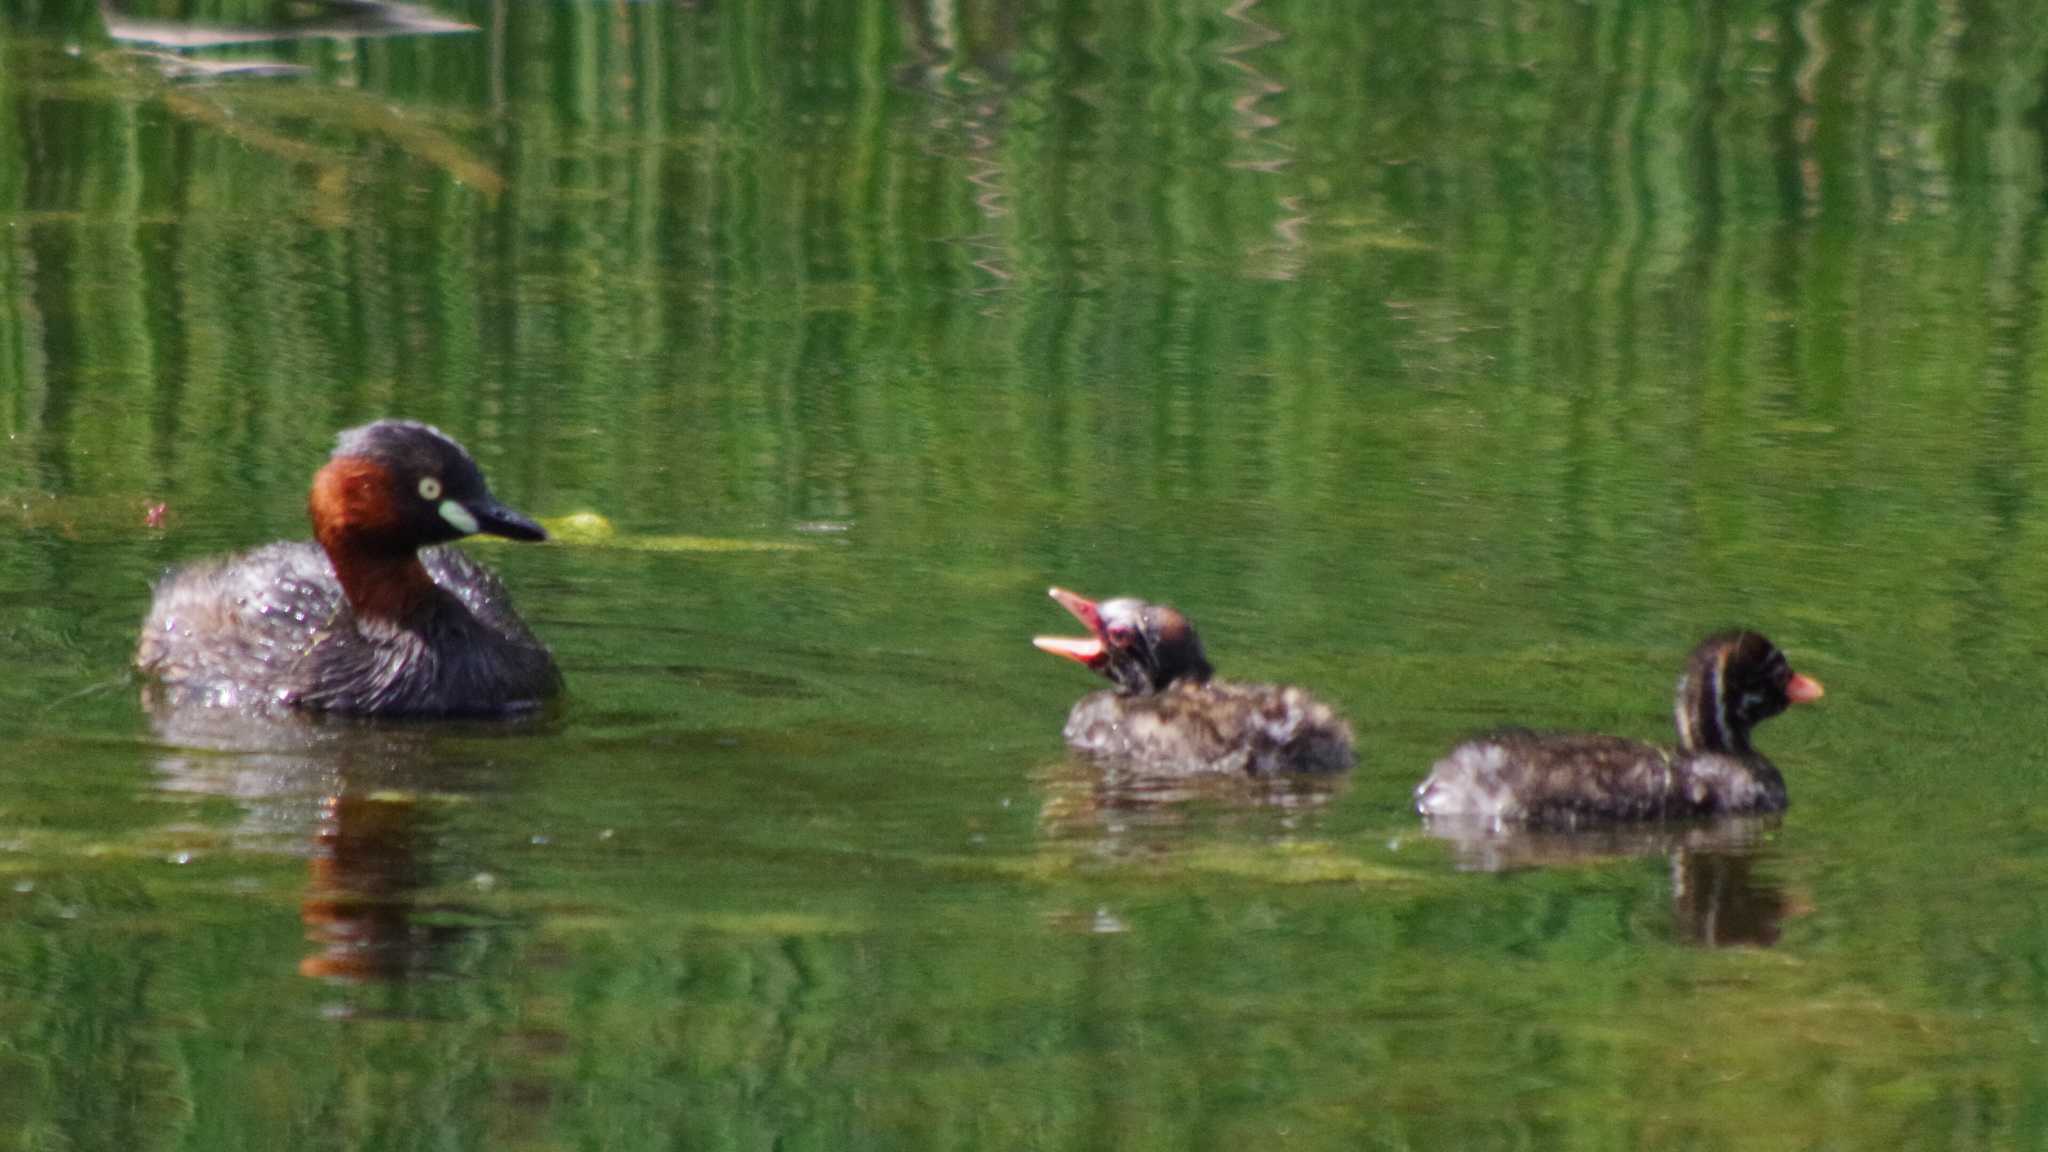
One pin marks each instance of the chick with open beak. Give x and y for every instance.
(1167, 713)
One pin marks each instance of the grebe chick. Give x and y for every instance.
(1732, 682)
(360, 621)
(1166, 712)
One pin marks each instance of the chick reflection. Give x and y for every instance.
(370, 864)
(1717, 899)
(1115, 811)
(1717, 902)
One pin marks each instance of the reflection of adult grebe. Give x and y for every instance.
(1733, 681)
(368, 869)
(362, 622)
(1167, 715)
(362, 803)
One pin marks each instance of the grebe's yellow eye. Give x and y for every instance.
(430, 488)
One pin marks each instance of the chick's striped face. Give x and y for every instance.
(1133, 658)
(1753, 680)
(1141, 648)
(1734, 682)
(1150, 646)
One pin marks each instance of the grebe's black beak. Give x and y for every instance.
(499, 520)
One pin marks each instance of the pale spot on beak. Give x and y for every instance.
(459, 516)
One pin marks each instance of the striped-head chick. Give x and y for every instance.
(1732, 682)
(1142, 648)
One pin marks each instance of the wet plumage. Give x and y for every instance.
(1732, 682)
(1169, 714)
(363, 622)
(1215, 727)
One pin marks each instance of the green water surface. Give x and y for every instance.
(1464, 362)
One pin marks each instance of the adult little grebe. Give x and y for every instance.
(1732, 682)
(363, 621)
(1168, 714)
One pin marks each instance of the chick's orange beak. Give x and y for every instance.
(1086, 650)
(1804, 690)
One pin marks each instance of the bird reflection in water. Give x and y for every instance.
(1717, 901)
(365, 804)
(1116, 811)
(315, 20)
(362, 908)
(1717, 898)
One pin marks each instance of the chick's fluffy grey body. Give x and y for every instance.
(1561, 779)
(274, 621)
(1732, 682)
(1213, 728)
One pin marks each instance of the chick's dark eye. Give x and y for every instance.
(1121, 635)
